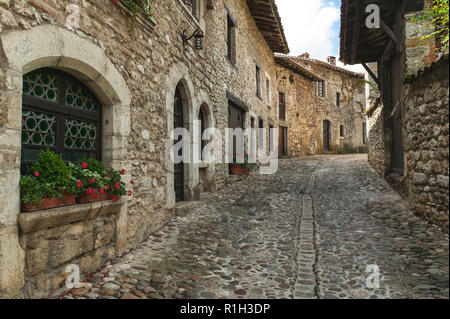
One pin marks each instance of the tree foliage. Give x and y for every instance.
(435, 16)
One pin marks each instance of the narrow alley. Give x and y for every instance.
(309, 231)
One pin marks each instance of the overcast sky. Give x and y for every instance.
(313, 26)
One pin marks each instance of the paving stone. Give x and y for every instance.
(309, 231)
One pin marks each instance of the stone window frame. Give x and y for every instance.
(231, 38)
(338, 99)
(197, 19)
(283, 118)
(341, 131)
(86, 61)
(268, 88)
(258, 70)
(322, 94)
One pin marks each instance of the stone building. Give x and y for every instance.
(322, 106)
(407, 105)
(130, 87)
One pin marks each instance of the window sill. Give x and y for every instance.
(50, 218)
(189, 16)
(148, 23)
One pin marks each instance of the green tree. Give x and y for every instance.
(436, 17)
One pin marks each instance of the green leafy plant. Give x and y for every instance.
(51, 169)
(435, 16)
(33, 190)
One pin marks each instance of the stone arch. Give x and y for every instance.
(178, 77)
(54, 47)
(206, 171)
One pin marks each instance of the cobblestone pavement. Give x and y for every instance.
(308, 231)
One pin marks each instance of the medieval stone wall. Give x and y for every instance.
(306, 111)
(376, 141)
(135, 75)
(427, 143)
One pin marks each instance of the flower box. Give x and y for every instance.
(237, 169)
(89, 198)
(48, 203)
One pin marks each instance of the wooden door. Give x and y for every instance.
(236, 118)
(326, 135)
(178, 122)
(282, 142)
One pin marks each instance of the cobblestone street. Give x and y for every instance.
(308, 231)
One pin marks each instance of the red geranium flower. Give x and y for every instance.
(36, 174)
(117, 185)
(101, 191)
(109, 176)
(122, 172)
(132, 182)
(108, 187)
(84, 165)
(92, 180)
(115, 198)
(130, 193)
(79, 184)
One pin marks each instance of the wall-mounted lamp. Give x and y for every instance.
(198, 39)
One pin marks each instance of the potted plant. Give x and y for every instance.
(91, 181)
(242, 168)
(50, 186)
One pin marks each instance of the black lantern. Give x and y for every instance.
(198, 39)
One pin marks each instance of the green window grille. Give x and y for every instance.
(68, 124)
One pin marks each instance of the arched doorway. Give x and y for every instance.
(59, 113)
(178, 122)
(326, 136)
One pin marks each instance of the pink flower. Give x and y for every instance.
(108, 187)
(79, 184)
(84, 165)
(122, 172)
(132, 182)
(130, 193)
(115, 199)
(102, 191)
(117, 185)
(92, 180)
(36, 174)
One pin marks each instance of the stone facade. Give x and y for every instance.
(134, 75)
(427, 143)
(306, 111)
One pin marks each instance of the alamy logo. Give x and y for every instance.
(73, 280)
(373, 19)
(373, 277)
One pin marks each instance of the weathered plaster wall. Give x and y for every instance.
(306, 111)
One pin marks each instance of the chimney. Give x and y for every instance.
(304, 55)
(331, 60)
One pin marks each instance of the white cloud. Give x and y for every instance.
(309, 26)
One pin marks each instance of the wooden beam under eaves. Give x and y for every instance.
(372, 75)
(356, 30)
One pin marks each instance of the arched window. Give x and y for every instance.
(61, 114)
